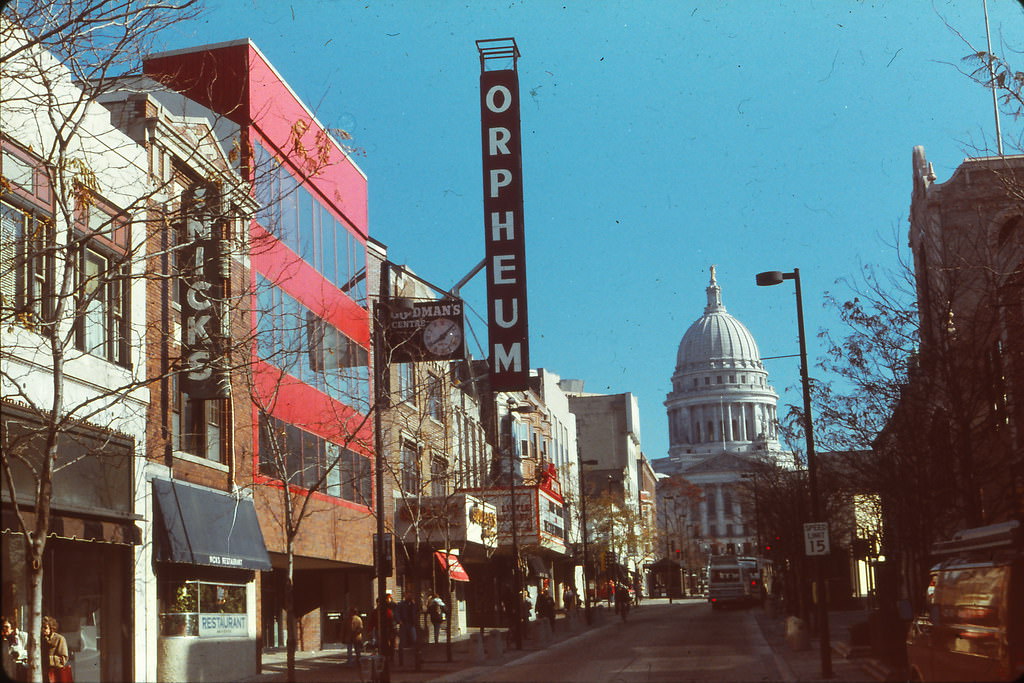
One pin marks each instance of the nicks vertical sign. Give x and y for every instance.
(202, 270)
(507, 327)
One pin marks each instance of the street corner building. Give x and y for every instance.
(215, 361)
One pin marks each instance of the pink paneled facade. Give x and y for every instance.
(311, 318)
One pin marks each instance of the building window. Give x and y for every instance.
(26, 265)
(198, 425)
(294, 214)
(182, 603)
(707, 380)
(292, 338)
(438, 477)
(407, 382)
(287, 452)
(435, 405)
(104, 283)
(410, 468)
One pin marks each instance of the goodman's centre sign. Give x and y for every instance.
(507, 328)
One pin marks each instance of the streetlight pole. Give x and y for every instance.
(583, 514)
(516, 583)
(380, 390)
(766, 279)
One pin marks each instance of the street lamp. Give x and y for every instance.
(583, 514)
(514, 407)
(767, 279)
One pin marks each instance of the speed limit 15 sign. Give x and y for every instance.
(816, 538)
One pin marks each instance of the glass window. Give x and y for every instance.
(198, 425)
(25, 265)
(407, 382)
(201, 608)
(102, 324)
(307, 456)
(307, 236)
(435, 403)
(410, 468)
(18, 171)
(438, 477)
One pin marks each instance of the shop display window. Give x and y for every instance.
(202, 608)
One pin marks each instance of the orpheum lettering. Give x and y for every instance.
(507, 322)
(201, 307)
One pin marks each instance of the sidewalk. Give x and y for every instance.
(333, 665)
(848, 663)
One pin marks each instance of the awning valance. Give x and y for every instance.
(537, 567)
(76, 528)
(451, 562)
(196, 525)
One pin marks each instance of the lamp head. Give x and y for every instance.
(769, 278)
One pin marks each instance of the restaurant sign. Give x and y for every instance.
(202, 271)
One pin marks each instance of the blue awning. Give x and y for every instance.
(197, 525)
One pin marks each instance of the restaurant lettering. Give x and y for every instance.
(202, 276)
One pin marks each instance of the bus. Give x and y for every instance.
(733, 579)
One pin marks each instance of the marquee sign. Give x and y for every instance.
(507, 329)
(202, 277)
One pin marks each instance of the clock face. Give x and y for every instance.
(442, 336)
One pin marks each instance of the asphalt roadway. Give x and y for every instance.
(683, 641)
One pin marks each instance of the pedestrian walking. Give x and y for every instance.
(55, 654)
(526, 611)
(568, 599)
(384, 634)
(355, 636)
(408, 613)
(621, 600)
(436, 611)
(546, 607)
(13, 651)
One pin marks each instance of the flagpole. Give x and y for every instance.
(992, 81)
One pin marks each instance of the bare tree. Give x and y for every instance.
(70, 258)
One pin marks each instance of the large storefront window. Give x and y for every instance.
(202, 608)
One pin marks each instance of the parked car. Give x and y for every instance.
(972, 624)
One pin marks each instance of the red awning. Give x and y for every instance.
(451, 562)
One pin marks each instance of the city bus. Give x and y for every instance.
(733, 580)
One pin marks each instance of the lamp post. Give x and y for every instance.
(583, 514)
(514, 407)
(767, 279)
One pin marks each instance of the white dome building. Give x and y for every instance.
(720, 398)
(721, 412)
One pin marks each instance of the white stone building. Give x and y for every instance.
(721, 412)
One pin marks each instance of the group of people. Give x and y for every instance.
(400, 629)
(55, 655)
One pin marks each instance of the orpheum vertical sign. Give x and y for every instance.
(503, 219)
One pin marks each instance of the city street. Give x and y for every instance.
(659, 642)
(683, 641)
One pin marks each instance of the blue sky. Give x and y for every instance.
(659, 138)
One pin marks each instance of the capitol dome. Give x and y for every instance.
(720, 400)
(717, 339)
